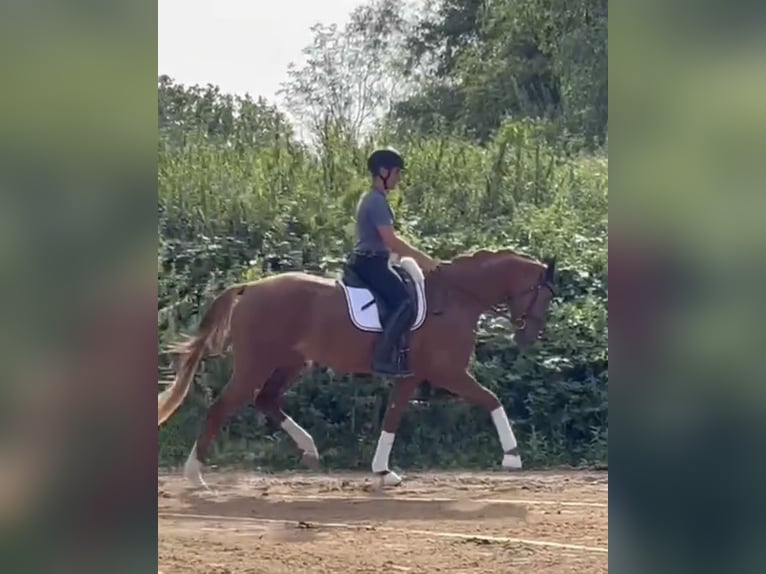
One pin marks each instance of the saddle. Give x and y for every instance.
(352, 281)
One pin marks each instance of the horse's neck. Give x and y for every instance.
(479, 282)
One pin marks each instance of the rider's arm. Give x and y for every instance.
(382, 218)
(404, 249)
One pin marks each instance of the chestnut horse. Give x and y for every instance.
(279, 324)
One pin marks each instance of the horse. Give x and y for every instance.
(277, 325)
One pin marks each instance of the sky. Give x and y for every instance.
(240, 45)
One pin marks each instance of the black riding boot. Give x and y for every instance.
(386, 363)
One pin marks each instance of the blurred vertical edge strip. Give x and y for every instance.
(688, 129)
(78, 181)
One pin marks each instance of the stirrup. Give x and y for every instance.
(390, 364)
(394, 364)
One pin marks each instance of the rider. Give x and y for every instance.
(375, 240)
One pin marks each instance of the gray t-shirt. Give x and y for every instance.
(371, 211)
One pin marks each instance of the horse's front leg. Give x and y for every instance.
(464, 385)
(397, 402)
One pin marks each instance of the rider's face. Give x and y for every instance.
(393, 177)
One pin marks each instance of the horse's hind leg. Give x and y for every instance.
(270, 401)
(469, 389)
(248, 377)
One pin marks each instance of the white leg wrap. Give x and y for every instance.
(193, 469)
(380, 460)
(301, 437)
(504, 432)
(511, 460)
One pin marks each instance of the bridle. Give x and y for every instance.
(499, 309)
(521, 321)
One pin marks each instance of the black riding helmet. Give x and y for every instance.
(384, 157)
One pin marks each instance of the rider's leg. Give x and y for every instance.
(385, 362)
(380, 277)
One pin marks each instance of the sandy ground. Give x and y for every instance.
(467, 523)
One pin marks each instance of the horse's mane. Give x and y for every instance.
(484, 254)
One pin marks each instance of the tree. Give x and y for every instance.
(488, 60)
(352, 76)
(234, 119)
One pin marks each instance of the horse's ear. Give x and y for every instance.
(550, 269)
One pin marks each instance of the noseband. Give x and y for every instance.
(520, 322)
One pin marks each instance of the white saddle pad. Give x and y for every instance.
(368, 319)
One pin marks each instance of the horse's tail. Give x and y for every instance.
(212, 336)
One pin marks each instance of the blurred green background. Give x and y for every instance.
(687, 113)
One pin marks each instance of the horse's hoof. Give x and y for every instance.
(310, 460)
(511, 462)
(389, 478)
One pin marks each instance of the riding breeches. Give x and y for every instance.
(381, 279)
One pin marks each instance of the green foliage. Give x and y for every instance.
(487, 61)
(246, 200)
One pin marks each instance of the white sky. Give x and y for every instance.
(240, 45)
